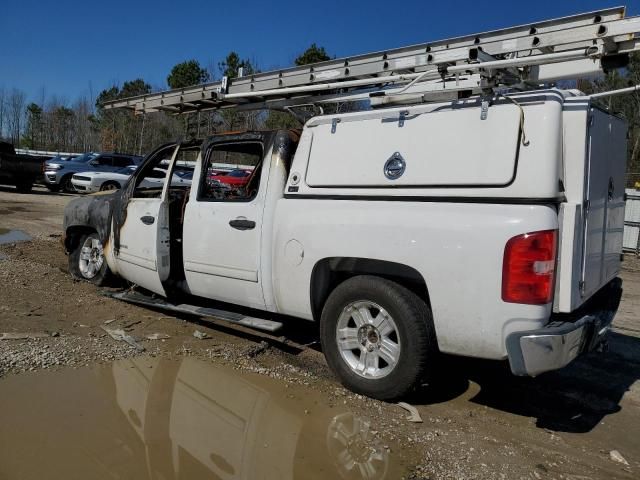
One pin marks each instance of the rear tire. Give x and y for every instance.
(87, 262)
(378, 337)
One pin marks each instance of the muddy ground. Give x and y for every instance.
(478, 420)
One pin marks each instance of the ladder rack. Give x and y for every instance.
(524, 56)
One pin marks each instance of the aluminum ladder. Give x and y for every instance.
(522, 57)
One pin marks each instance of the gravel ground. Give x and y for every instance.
(479, 421)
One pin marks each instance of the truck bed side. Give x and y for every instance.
(457, 248)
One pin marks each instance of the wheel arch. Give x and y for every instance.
(330, 272)
(73, 234)
(87, 214)
(110, 182)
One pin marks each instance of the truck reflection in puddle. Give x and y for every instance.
(158, 418)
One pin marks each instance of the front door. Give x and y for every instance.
(144, 255)
(223, 224)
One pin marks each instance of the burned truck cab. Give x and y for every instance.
(140, 232)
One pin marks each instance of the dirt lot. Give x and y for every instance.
(59, 392)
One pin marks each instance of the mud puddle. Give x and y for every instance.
(12, 236)
(10, 210)
(158, 418)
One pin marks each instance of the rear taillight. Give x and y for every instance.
(528, 268)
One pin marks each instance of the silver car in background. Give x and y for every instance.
(58, 175)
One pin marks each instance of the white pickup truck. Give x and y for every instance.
(405, 232)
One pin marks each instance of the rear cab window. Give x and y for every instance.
(231, 172)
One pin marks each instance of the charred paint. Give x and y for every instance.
(98, 212)
(93, 211)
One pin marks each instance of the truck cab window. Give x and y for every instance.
(232, 172)
(152, 175)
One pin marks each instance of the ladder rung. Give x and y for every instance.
(168, 108)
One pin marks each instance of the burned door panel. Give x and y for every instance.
(144, 254)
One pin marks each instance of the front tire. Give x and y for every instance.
(87, 262)
(378, 337)
(66, 185)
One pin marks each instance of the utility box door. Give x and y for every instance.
(604, 227)
(460, 147)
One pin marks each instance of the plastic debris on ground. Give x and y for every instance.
(120, 335)
(414, 416)
(157, 336)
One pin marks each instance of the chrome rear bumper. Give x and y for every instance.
(560, 342)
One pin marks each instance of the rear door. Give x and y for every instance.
(223, 226)
(604, 220)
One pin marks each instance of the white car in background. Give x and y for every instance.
(90, 182)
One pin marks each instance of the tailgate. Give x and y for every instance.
(21, 164)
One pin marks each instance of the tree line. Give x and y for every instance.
(627, 106)
(52, 124)
(55, 125)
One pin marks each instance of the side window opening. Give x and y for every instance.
(183, 169)
(150, 179)
(232, 172)
(153, 175)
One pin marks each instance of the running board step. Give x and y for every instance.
(232, 317)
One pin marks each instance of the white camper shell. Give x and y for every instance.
(566, 152)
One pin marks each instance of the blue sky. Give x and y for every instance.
(74, 47)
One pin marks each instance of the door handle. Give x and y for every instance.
(147, 219)
(242, 224)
